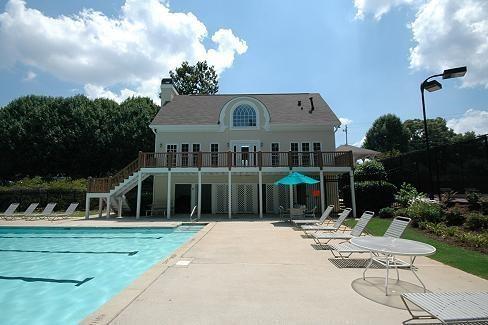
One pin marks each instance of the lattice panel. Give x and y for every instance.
(222, 198)
(270, 199)
(249, 197)
(245, 198)
(284, 196)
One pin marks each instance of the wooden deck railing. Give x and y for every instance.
(224, 160)
(246, 159)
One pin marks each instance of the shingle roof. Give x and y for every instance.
(283, 109)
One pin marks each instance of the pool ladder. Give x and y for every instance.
(193, 213)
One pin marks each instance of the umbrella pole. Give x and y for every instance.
(291, 197)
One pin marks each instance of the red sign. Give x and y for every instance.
(316, 193)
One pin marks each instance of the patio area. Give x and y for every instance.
(261, 272)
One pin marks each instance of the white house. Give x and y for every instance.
(222, 154)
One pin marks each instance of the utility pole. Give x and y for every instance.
(345, 130)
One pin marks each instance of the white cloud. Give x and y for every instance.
(472, 120)
(31, 75)
(378, 7)
(345, 121)
(360, 142)
(451, 33)
(132, 51)
(446, 33)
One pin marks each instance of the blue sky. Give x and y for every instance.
(357, 54)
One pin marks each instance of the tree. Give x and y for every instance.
(439, 133)
(74, 136)
(387, 134)
(195, 79)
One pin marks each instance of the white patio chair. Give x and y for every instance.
(449, 307)
(336, 226)
(346, 249)
(319, 222)
(63, 215)
(355, 232)
(48, 210)
(7, 215)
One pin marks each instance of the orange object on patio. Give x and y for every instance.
(315, 193)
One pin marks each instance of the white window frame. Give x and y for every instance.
(231, 116)
(277, 153)
(310, 161)
(193, 161)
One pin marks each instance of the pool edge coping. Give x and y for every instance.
(109, 311)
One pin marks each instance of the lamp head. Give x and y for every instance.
(454, 73)
(431, 86)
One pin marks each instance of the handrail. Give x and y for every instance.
(192, 213)
(227, 159)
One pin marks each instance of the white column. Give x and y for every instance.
(87, 207)
(199, 194)
(168, 197)
(139, 191)
(229, 193)
(100, 207)
(108, 206)
(120, 206)
(322, 191)
(353, 193)
(260, 176)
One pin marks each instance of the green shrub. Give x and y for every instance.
(374, 195)
(372, 170)
(386, 213)
(447, 199)
(407, 194)
(484, 205)
(476, 222)
(454, 217)
(39, 183)
(471, 239)
(473, 199)
(421, 211)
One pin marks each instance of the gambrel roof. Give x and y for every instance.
(283, 109)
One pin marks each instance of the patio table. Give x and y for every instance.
(385, 249)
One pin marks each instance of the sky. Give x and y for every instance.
(365, 57)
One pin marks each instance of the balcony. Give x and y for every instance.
(259, 159)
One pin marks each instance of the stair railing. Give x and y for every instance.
(192, 213)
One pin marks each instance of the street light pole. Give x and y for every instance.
(433, 86)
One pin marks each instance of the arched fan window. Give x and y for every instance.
(244, 116)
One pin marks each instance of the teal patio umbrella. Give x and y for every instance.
(294, 179)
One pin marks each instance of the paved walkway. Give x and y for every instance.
(262, 272)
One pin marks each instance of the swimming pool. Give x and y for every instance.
(61, 275)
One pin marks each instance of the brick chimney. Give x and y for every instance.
(168, 91)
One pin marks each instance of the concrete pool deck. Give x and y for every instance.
(261, 272)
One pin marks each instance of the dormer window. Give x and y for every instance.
(244, 116)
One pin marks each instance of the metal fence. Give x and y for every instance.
(460, 167)
(63, 198)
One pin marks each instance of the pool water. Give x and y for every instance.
(61, 275)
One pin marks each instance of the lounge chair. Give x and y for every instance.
(355, 232)
(63, 215)
(449, 307)
(346, 249)
(311, 213)
(8, 214)
(48, 210)
(319, 222)
(336, 226)
(30, 209)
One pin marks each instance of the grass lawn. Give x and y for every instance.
(464, 259)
